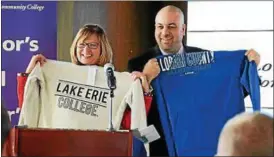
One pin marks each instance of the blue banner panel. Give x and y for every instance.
(28, 28)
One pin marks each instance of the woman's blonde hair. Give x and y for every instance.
(85, 32)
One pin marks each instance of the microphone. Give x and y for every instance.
(109, 71)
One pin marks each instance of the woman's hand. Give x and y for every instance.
(34, 60)
(139, 75)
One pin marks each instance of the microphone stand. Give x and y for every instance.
(110, 125)
(111, 81)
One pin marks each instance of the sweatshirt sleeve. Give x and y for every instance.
(127, 115)
(21, 82)
(30, 110)
(251, 83)
(138, 110)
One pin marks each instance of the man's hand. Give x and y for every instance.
(151, 69)
(252, 55)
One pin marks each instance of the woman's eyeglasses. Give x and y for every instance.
(89, 45)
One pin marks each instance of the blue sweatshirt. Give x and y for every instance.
(198, 92)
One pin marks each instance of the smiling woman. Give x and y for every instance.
(89, 47)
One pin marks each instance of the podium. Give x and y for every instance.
(65, 142)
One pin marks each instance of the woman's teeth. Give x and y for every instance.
(86, 56)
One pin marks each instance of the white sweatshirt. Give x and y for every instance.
(64, 95)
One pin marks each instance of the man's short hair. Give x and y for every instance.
(247, 134)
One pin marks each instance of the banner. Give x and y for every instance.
(239, 32)
(28, 28)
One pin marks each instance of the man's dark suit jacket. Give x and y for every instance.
(157, 148)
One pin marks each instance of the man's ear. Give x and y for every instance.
(184, 29)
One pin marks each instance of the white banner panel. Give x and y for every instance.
(211, 25)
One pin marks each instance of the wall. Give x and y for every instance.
(129, 25)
